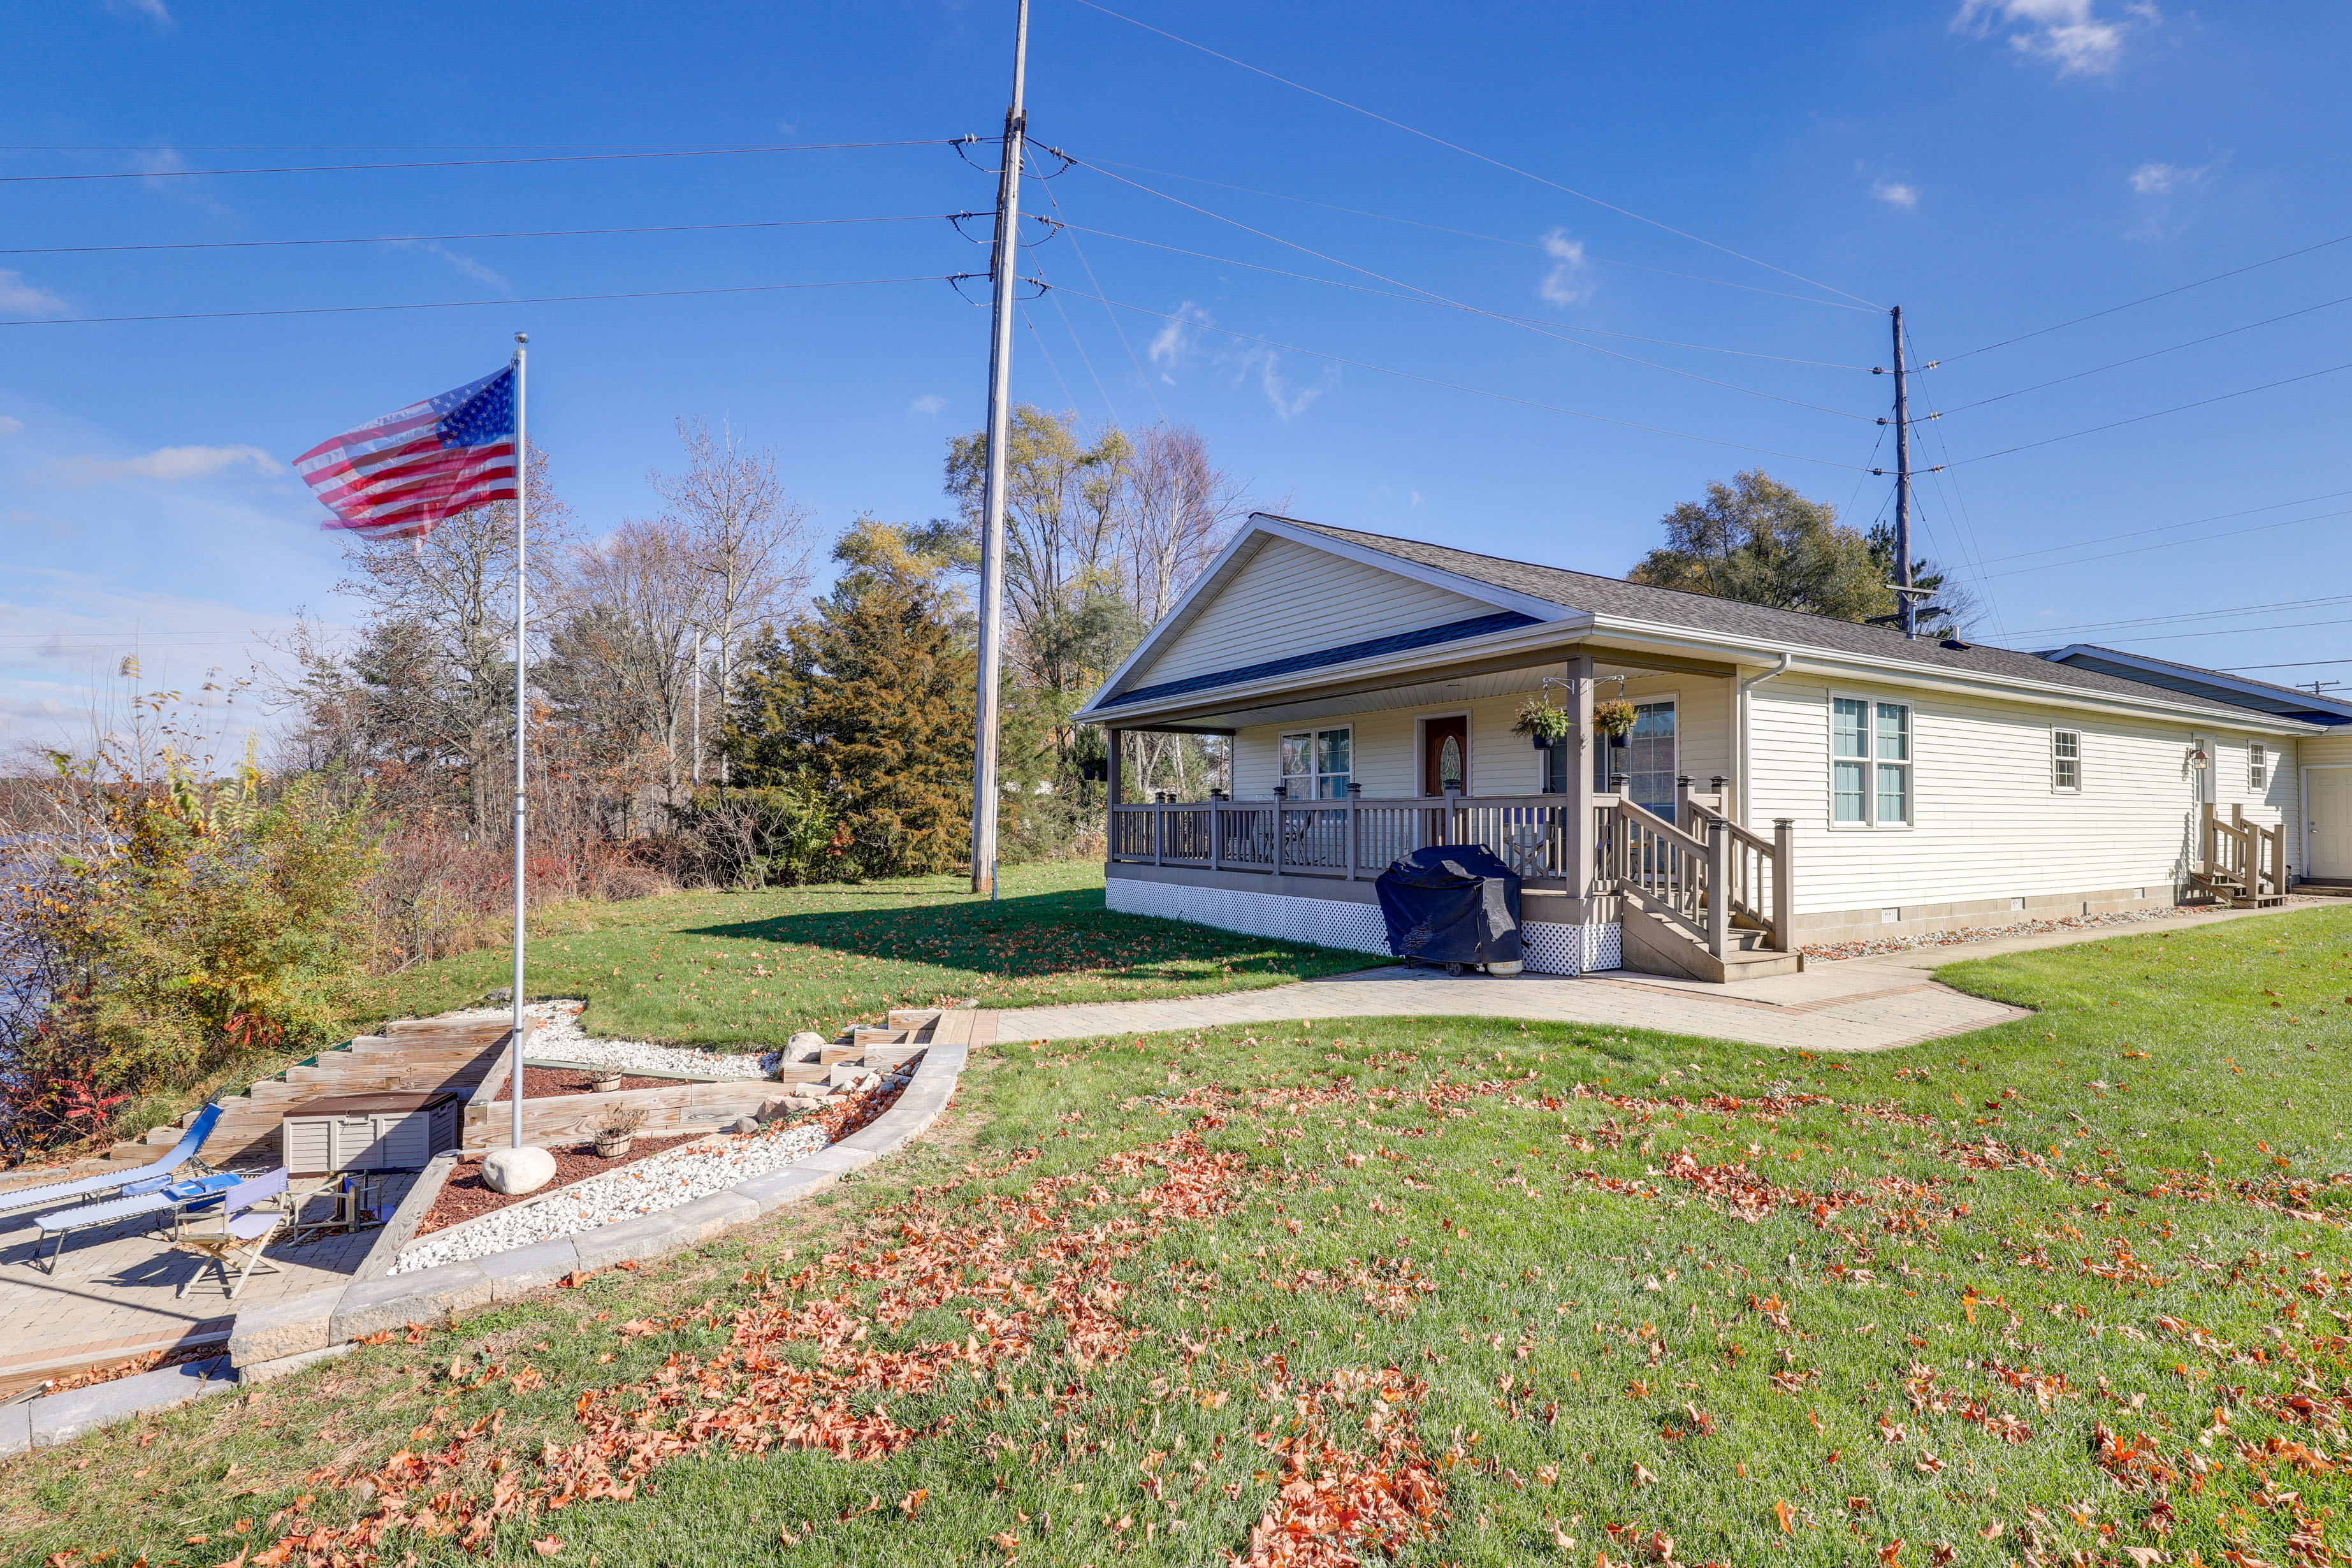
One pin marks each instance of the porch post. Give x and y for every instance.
(1118, 744)
(1784, 884)
(1578, 843)
(1718, 886)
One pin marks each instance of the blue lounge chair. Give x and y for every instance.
(237, 1245)
(131, 1182)
(172, 1200)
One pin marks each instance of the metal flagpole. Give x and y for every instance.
(522, 491)
(992, 528)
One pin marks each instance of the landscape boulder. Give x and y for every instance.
(518, 1170)
(806, 1046)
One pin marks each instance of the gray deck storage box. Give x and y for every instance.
(387, 1131)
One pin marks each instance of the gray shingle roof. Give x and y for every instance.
(1729, 617)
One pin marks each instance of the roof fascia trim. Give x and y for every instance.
(2263, 688)
(1543, 636)
(1228, 562)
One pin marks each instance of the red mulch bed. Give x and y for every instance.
(465, 1197)
(546, 1083)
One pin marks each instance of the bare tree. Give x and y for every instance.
(1177, 512)
(740, 532)
(641, 593)
(454, 589)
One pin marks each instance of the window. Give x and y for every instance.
(2066, 759)
(1317, 763)
(2258, 766)
(1870, 762)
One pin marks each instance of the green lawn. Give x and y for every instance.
(2074, 1290)
(751, 968)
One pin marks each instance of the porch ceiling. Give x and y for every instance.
(1457, 681)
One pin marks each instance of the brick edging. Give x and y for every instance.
(317, 1321)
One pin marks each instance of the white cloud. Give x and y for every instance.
(929, 403)
(1177, 344)
(1895, 194)
(169, 464)
(20, 298)
(163, 161)
(2163, 178)
(152, 9)
(2069, 34)
(465, 264)
(10, 427)
(1566, 283)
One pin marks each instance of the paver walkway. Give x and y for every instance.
(1856, 1005)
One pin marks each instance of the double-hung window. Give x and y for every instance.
(2258, 766)
(2066, 760)
(1870, 762)
(1317, 763)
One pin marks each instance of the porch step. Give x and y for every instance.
(1654, 944)
(2325, 890)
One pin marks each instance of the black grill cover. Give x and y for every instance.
(1451, 903)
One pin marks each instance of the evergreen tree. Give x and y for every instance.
(873, 699)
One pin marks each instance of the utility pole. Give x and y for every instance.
(1910, 601)
(1001, 257)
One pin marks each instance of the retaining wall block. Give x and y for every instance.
(788, 1185)
(427, 1296)
(287, 1365)
(269, 1331)
(15, 1429)
(526, 1268)
(62, 1417)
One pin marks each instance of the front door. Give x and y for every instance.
(2330, 805)
(1445, 754)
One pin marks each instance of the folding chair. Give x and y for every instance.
(242, 1235)
(172, 1201)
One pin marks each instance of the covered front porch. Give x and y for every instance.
(1630, 855)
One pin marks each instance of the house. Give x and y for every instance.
(1788, 779)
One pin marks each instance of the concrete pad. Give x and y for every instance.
(62, 1417)
(428, 1296)
(291, 1325)
(527, 1269)
(287, 1365)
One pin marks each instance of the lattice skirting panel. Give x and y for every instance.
(1573, 950)
(1350, 927)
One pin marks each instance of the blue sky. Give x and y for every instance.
(1995, 168)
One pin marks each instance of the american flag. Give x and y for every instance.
(403, 475)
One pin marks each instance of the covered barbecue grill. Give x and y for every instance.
(1452, 904)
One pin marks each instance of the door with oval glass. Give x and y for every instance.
(1446, 754)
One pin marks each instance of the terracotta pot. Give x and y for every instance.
(612, 1148)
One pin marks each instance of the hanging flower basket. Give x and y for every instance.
(1544, 721)
(1612, 718)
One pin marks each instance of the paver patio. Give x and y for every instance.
(113, 1295)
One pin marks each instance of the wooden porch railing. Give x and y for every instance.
(2242, 858)
(1708, 879)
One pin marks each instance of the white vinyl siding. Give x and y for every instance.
(1290, 600)
(1986, 823)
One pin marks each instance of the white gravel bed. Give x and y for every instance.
(1833, 951)
(647, 1186)
(562, 1038)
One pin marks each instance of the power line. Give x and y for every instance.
(2145, 299)
(1467, 153)
(467, 304)
(1947, 485)
(2291, 664)
(2167, 527)
(501, 234)
(475, 163)
(2137, 418)
(1110, 315)
(2153, 354)
(2238, 631)
(1428, 295)
(1538, 321)
(2202, 615)
(1457, 386)
(2169, 544)
(1522, 245)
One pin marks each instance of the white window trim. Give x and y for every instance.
(1870, 822)
(1280, 735)
(2259, 784)
(1672, 700)
(1421, 752)
(2055, 731)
